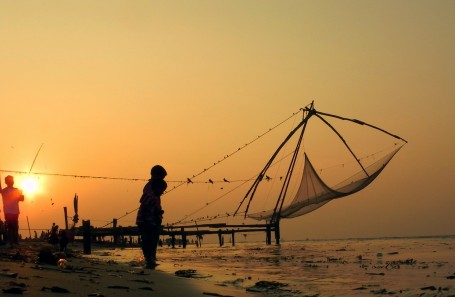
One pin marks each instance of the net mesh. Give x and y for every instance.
(314, 193)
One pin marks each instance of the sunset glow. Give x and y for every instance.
(29, 186)
(112, 88)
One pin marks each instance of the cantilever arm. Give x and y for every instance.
(360, 123)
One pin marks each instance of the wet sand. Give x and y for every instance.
(380, 267)
(84, 276)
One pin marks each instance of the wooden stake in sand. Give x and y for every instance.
(29, 232)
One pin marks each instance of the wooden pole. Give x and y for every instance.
(115, 235)
(220, 237)
(87, 237)
(65, 211)
(29, 232)
(233, 237)
(173, 240)
(182, 230)
(268, 236)
(277, 232)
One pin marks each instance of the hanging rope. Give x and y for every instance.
(191, 180)
(73, 175)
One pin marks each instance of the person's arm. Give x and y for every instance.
(20, 197)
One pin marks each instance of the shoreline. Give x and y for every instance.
(397, 267)
(86, 276)
(407, 268)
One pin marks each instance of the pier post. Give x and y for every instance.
(220, 237)
(87, 237)
(182, 230)
(268, 234)
(233, 237)
(115, 235)
(173, 240)
(277, 232)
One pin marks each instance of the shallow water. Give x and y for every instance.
(354, 267)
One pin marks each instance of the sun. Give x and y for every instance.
(29, 185)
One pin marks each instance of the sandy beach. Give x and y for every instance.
(346, 267)
(402, 267)
(84, 276)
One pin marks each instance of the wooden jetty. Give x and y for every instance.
(88, 232)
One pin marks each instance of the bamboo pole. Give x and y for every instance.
(65, 212)
(29, 231)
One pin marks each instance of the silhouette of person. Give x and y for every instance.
(150, 214)
(11, 198)
(53, 237)
(63, 240)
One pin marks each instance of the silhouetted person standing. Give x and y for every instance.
(11, 198)
(150, 214)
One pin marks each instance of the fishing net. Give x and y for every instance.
(314, 193)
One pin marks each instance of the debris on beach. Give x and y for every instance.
(376, 273)
(46, 256)
(146, 281)
(9, 274)
(430, 288)
(118, 287)
(409, 261)
(16, 284)
(379, 291)
(266, 286)
(215, 294)
(55, 289)
(62, 263)
(138, 272)
(235, 282)
(359, 288)
(190, 273)
(336, 260)
(14, 290)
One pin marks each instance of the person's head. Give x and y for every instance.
(158, 172)
(159, 186)
(9, 180)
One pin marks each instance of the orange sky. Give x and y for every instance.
(111, 88)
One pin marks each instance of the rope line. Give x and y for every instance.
(178, 182)
(73, 175)
(210, 181)
(190, 180)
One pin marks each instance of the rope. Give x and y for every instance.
(73, 175)
(179, 182)
(190, 180)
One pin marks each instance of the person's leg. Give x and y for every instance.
(16, 230)
(12, 225)
(155, 237)
(6, 232)
(146, 242)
